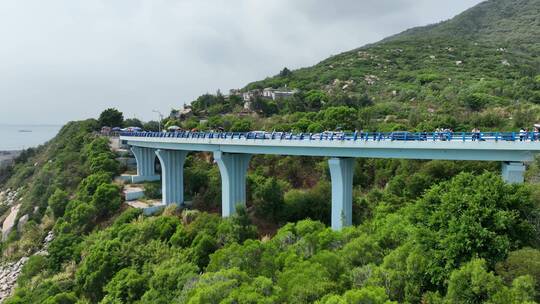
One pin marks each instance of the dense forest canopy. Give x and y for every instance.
(424, 231)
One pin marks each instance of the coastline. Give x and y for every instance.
(7, 157)
(19, 137)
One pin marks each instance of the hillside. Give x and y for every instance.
(479, 68)
(510, 24)
(438, 232)
(435, 232)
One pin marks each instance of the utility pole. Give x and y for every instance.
(160, 118)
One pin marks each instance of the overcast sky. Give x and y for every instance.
(63, 60)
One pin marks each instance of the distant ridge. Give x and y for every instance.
(480, 68)
(514, 23)
(496, 42)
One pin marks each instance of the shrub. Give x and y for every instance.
(58, 202)
(106, 199)
(89, 185)
(127, 286)
(152, 190)
(268, 199)
(111, 118)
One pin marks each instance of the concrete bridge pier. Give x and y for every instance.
(146, 170)
(341, 173)
(172, 171)
(233, 168)
(513, 172)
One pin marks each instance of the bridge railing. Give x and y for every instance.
(348, 136)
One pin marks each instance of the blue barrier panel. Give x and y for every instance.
(353, 136)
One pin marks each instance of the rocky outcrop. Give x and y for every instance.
(9, 222)
(9, 272)
(22, 221)
(9, 196)
(46, 242)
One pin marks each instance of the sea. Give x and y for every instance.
(19, 137)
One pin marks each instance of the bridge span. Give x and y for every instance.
(233, 151)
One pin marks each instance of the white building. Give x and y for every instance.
(278, 94)
(250, 95)
(269, 93)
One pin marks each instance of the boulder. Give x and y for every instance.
(22, 221)
(9, 222)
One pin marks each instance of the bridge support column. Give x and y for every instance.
(233, 169)
(341, 172)
(513, 172)
(172, 171)
(145, 158)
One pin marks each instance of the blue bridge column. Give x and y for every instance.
(513, 172)
(341, 172)
(172, 171)
(145, 158)
(233, 168)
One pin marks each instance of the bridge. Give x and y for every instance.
(233, 150)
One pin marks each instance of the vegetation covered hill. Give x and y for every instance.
(480, 68)
(495, 40)
(470, 238)
(425, 231)
(510, 24)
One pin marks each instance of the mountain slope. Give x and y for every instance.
(514, 24)
(481, 61)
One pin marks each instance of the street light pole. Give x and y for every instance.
(160, 118)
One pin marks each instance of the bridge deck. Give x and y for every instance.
(460, 146)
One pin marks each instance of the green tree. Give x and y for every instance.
(111, 117)
(340, 117)
(315, 127)
(127, 286)
(89, 185)
(180, 237)
(203, 245)
(32, 267)
(168, 280)
(285, 72)
(472, 283)
(261, 291)
(242, 125)
(316, 99)
(63, 248)
(214, 287)
(104, 163)
(525, 261)
(133, 122)
(472, 216)
(305, 282)
(106, 199)
(80, 217)
(237, 228)
(102, 261)
(268, 199)
(62, 298)
(252, 257)
(151, 126)
(58, 202)
(367, 295)
(361, 251)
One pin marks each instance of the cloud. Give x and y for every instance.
(62, 60)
